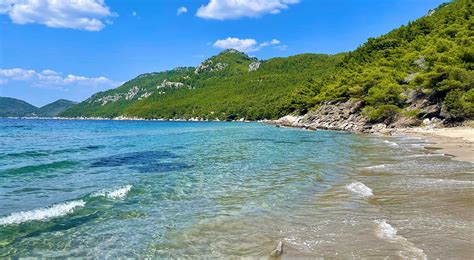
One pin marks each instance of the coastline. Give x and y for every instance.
(457, 142)
(454, 141)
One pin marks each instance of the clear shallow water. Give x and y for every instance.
(169, 189)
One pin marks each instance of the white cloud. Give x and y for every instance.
(134, 13)
(52, 79)
(233, 9)
(89, 15)
(269, 43)
(244, 45)
(182, 10)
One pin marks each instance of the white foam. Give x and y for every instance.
(390, 143)
(360, 189)
(425, 155)
(119, 193)
(439, 183)
(381, 166)
(387, 232)
(53, 211)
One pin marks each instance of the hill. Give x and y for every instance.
(54, 109)
(230, 85)
(11, 107)
(421, 70)
(418, 71)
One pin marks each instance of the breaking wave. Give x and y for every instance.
(381, 166)
(390, 143)
(387, 232)
(53, 211)
(119, 193)
(360, 189)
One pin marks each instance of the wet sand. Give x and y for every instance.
(455, 141)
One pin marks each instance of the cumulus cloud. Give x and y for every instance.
(182, 10)
(244, 45)
(52, 79)
(89, 15)
(233, 9)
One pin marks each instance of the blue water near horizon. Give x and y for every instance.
(172, 189)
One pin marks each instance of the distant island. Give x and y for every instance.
(12, 107)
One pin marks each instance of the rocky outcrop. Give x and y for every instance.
(254, 66)
(171, 84)
(339, 116)
(210, 66)
(347, 116)
(344, 116)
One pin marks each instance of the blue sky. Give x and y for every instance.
(51, 50)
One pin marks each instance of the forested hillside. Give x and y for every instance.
(53, 109)
(12, 107)
(423, 69)
(230, 85)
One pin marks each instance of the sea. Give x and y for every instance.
(147, 189)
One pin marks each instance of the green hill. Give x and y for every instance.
(423, 69)
(11, 107)
(419, 70)
(230, 85)
(54, 109)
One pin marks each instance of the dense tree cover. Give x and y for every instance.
(11, 107)
(53, 109)
(222, 87)
(432, 57)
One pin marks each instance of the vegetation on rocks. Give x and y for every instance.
(228, 86)
(423, 69)
(430, 59)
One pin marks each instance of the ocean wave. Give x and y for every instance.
(438, 183)
(53, 211)
(381, 166)
(387, 232)
(424, 155)
(119, 193)
(390, 143)
(360, 189)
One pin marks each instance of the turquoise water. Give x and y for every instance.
(214, 189)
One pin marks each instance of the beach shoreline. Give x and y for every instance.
(454, 141)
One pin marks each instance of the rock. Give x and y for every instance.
(278, 251)
(410, 77)
(420, 62)
(254, 66)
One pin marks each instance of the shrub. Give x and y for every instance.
(457, 106)
(383, 113)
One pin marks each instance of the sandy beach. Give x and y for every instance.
(455, 141)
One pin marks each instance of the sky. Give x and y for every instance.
(72, 49)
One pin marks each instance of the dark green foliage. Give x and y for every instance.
(54, 109)
(433, 55)
(382, 113)
(231, 92)
(458, 105)
(11, 107)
